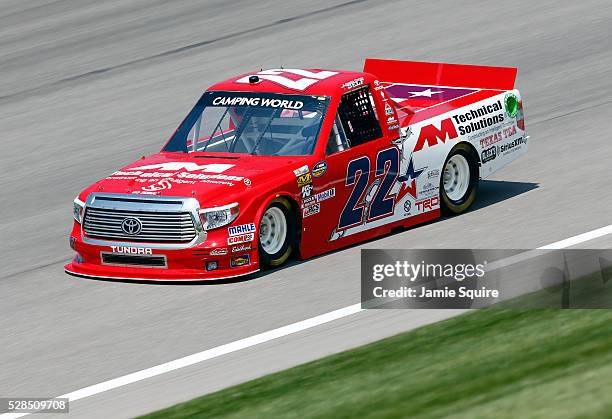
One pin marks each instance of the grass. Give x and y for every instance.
(484, 364)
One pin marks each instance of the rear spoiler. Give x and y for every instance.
(441, 74)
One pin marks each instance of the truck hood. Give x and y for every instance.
(209, 177)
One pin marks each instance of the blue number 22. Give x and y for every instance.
(358, 174)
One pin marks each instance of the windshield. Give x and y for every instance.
(263, 124)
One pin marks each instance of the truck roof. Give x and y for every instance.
(318, 82)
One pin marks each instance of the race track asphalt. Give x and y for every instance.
(89, 86)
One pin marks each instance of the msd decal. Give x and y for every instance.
(430, 134)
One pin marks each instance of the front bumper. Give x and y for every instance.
(154, 257)
(189, 264)
(89, 270)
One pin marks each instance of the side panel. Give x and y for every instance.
(405, 173)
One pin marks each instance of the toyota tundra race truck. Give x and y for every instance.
(292, 161)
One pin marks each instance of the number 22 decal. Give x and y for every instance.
(377, 202)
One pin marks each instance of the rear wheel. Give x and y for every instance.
(276, 234)
(459, 183)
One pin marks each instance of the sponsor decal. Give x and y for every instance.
(167, 172)
(242, 248)
(190, 167)
(304, 179)
(263, 102)
(388, 109)
(429, 189)
(431, 135)
(158, 186)
(488, 154)
(479, 118)
(407, 206)
(427, 204)
(301, 171)
(129, 250)
(242, 260)
(433, 174)
(306, 190)
(241, 229)
(219, 252)
(279, 76)
(247, 181)
(396, 126)
(353, 83)
(309, 201)
(507, 148)
(322, 196)
(311, 210)
(509, 131)
(491, 139)
(511, 104)
(391, 120)
(243, 238)
(319, 169)
(378, 86)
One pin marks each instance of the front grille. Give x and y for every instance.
(134, 260)
(157, 226)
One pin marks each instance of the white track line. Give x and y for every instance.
(262, 337)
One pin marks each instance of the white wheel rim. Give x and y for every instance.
(272, 230)
(456, 177)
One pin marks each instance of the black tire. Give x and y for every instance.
(457, 206)
(280, 257)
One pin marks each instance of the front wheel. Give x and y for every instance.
(276, 234)
(459, 183)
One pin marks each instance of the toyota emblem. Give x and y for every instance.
(131, 226)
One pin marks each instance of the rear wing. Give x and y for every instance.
(441, 74)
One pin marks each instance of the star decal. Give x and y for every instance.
(408, 181)
(425, 93)
(411, 172)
